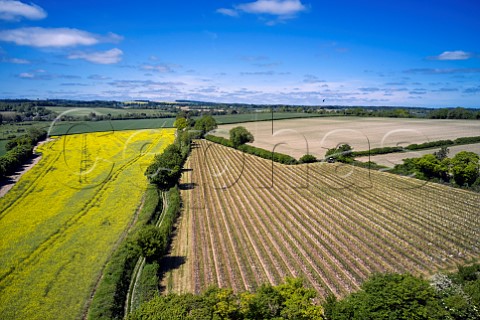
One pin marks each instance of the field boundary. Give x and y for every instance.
(141, 262)
(115, 248)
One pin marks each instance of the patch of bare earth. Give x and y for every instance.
(315, 136)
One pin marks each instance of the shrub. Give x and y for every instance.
(307, 158)
(151, 242)
(240, 135)
(342, 153)
(259, 152)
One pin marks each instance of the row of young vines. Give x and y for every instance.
(250, 221)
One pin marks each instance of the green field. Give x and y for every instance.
(71, 127)
(263, 116)
(79, 112)
(74, 127)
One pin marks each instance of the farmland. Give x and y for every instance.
(297, 136)
(247, 221)
(17, 129)
(64, 217)
(75, 127)
(78, 112)
(391, 159)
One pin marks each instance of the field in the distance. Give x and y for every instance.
(63, 218)
(297, 136)
(244, 224)
(78, 112)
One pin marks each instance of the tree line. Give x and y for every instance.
(147, 240)
(382, 296)
(239, 136)
(19, 151)
(462, 170)
(418, 146)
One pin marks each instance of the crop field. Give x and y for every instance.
(247, 221)
(264, 116)
(391, 159)
(73, 127)
(69, 127)
(296, 137)
(64, 217)
(77, 112)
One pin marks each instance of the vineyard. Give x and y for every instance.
(64, 217)
(247, 221)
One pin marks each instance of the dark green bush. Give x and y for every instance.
(262, 153)
(307, 158)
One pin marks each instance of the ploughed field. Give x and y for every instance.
(65, 216)
(315, 136)
(247, 221)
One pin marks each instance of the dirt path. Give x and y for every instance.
(8, 184)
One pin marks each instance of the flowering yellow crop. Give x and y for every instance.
(60, 222)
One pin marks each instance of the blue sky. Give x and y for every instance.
(399, 53)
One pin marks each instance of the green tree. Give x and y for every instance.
(298, 301)
(240, 135)
(455, 292)
(205, 124)
(442, 153)
(288, 301)
(342, 153)
(465, 168)
(151, 242)
(181, 123)
(431, 167)
(307, 158)
(390, 296)
(166, 167)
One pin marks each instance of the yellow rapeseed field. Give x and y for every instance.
(61, 221)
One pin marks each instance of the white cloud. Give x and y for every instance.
(98, 77)
(38, 74)
(453, 55)
(26, 75)
(228, 12)
(104, 57)
(54, 37)
(18, 61)
(15, 10)
(310, 78)
(14, 60)
(283, 8)
(162, 67)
